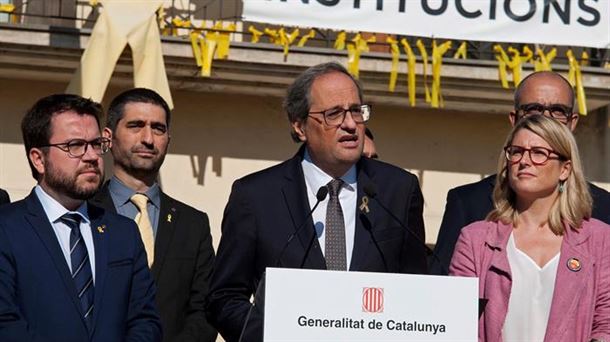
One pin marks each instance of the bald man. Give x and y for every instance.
(540, 93)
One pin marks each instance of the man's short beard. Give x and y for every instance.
(66, 184)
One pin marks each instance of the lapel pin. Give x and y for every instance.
(574, 265)
(169, 218)
(364, 207)
(101, 229)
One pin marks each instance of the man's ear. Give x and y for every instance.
(37, 158)
(512, 117)
(573, 121)
(299, 129)
(107, 133)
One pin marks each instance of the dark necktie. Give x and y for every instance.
(335, 230)
(81, 268)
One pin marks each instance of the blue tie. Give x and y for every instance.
(81, 269)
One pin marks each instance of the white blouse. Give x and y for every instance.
(531, 295)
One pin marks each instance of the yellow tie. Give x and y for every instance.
(144, 225)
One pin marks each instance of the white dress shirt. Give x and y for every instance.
(316, 178)
(55, 211)
(531, 296)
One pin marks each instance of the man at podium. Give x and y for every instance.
(325, 208)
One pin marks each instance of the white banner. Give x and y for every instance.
(555, 22)
(314, 305)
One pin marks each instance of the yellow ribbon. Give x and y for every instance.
(274, 36)
(340, 41)
(584, 58)
(460, 52)
(437, 62)
(305, 38)
(528, 54)
(575, 77)
(364, 207)
(7, 8)
(287, 39)
(179, 23)
(256, 34)
(196, 40)
(395, 57)
(224, 40)
(93, 3)
(516, 65)
(354, 50)
(543, 62)
(410, 69)
(424, 57)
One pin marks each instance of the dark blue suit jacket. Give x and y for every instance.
(267, 207)
(38, 300)
(472, 202)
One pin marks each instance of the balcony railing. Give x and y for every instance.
(83, 14)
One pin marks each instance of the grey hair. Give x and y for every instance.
(298, 97)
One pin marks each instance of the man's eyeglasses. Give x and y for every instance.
(78, 147)
(538, 155)
(559, 112)
(336, 116)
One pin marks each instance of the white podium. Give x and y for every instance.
(313, 305)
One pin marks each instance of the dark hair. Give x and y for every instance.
(298, 97)
(368, 133)
(138, 95)
(36, 124)
(548, 74)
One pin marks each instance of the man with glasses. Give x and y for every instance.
(540, 93)
(70, 271)
(138, 125)
(267, 222)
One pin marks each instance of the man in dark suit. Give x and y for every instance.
(546, 93)
(4, 199)
(70, 271)
(347, 231)
(179, 244)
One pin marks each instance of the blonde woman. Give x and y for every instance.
(543, 264)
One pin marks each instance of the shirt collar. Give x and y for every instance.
(55, 210)
(316, 178)
(122, 194)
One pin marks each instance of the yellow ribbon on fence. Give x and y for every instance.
(410, 70)
(584, 58)
(354, 49)
(437, 62)
(575, 77)
(340, 41)
(543, 62)
(528, 54)
(274, 36)
(256, 34)
(460, 52)
(7, 8)
(178, 23)
(502, 58)
(305, 38)
(395, 57)
(287, 39)
(516, 65)
(424, 57)
(224, 40)
(196, 40)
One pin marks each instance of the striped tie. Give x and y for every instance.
(81, 268)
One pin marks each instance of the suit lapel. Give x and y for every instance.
(168, 216)
(295, 196)
(98, 232)
(39, 222)
(366, 223)
(569, 284)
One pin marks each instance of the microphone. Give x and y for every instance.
(320, 196)
(371, 191)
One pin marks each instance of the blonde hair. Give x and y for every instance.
(573, 204)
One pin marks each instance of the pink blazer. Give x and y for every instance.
(580, 309)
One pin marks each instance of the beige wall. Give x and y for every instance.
(218, 138)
